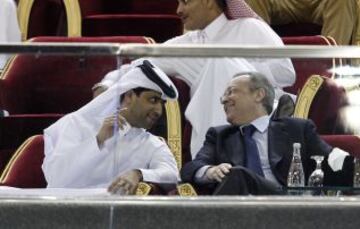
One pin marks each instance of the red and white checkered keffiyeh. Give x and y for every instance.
(239, 9)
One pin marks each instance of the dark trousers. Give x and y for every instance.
(241, 181)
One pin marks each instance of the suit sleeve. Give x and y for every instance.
(316, 146)
(206, 156)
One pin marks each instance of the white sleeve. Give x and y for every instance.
(71, 161)
(13, 31)
(162, 167)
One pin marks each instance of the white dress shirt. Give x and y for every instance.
(208, 77)
(9, 27)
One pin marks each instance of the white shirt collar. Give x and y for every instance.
(261, 124)
(214, 27)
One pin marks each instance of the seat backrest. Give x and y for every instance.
(56, 84)
(322, 101)
(297, 29)
(42, 18)
(24, 168)
(349, 143)
(304, 68)
(92, 7)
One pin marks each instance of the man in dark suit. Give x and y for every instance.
(227, 162)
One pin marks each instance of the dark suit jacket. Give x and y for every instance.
(224, 144)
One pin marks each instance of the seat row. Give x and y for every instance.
(154, 18)
(38, 90)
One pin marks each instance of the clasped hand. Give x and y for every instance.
(217, 173)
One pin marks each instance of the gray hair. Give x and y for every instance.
(258, 80)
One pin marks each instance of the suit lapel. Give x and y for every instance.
(235, 148)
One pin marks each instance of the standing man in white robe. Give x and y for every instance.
(106, 141)
(216, 22)
(9, 27)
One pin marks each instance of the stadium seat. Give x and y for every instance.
(304, 68)
(41, 18)
(156, 19)
(322, 101)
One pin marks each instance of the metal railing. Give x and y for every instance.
(158, 50)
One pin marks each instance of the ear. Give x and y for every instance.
(128, 97)
(260, 94)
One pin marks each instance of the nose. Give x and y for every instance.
(180, 9)
(158, 109)
(223, 99)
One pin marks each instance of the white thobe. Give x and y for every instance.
(74, 160)
(208, 78)
(9, 28)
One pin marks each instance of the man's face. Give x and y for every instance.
(240, 101)
(144, 109)
(194, 13)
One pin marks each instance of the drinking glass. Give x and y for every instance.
(316, 178)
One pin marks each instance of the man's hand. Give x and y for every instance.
(107, 129)
(218, 172)
(98, 90)
(127, 183)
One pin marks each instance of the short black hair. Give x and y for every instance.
(137, 91)
(221, 4)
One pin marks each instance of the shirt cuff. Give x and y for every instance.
(200, 176)
(336, 159)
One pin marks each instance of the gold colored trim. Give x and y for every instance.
(10, 62)
(14, 158)
(7, 66)
(307, 95)
(150, 40)
(174, 130)
(143, 189)
(186, 190)
(333, 43)
(73, 16)
(334, 60)
(24, 11)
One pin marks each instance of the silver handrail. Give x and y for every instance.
(158, 50)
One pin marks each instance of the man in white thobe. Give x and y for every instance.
(216, 22)
(106, 141)
(9, 27)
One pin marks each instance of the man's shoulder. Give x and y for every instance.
(291, 121)
(223, 129)
(154, 140)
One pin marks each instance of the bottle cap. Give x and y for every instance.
(297, 145)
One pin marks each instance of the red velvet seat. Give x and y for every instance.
(24, 168)
(156, 19)
(304, 68)
(42, 18)
(159, 26)
(322, 101)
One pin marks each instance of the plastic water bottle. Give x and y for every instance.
(296, 176)
(356, 173)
